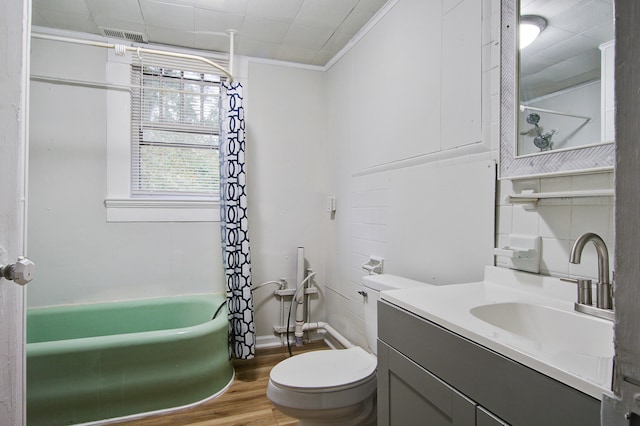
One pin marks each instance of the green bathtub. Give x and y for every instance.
(99, 361)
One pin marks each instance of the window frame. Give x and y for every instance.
(120, 204)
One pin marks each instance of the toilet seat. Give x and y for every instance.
(342, 380)
(327, 370)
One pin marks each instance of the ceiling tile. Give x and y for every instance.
(561, 75)
(568, 49)
(122, 10)
(188, 3)
(256, 48)
(601, 33)
(547, 39)
(585, 17)
(546, 8)
(169, 16)
(322, 57)
(309, 37)
(532, 64)
(170, 37)
(212, 21)
(225, 6)
(370, 5)
(69, 21)
(295, 54)
(324, 12)
(337, 41)
(357, 19)
(211, 42)
(274, 9)
(77, 7)
(263, 29)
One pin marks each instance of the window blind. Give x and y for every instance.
(175, 107)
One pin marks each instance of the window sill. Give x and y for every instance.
(150, 210)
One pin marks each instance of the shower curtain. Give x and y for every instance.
(234, 223)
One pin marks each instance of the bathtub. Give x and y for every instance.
(100, 361)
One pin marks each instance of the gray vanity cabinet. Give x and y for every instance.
(428, 375)
(417, 397)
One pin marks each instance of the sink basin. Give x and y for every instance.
(566, 331)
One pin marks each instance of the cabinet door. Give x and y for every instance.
(410, 395)
(485, 418)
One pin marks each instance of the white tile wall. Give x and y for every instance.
(560, 221)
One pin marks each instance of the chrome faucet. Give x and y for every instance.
(604, 295)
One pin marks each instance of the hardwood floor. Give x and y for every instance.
(244, 403)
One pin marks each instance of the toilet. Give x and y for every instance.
(336, 387)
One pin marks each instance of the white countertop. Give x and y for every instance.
(576, 349)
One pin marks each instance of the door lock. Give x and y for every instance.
(20, 272)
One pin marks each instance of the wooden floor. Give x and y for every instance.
(244, 403)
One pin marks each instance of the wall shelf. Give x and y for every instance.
(531, 198)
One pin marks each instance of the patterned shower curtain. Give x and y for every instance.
(234, 223)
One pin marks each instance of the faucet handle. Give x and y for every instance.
(584, 289)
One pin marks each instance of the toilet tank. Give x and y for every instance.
(373, 285)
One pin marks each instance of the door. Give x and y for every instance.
(14, 25)
(624, 408)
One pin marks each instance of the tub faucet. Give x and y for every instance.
(604, 295)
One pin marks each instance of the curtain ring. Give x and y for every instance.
(120, 50)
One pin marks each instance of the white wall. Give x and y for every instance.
(286, 183)
(80, 257)
(409, 150)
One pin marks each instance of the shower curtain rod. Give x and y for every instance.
(550, 111)
(228, 73)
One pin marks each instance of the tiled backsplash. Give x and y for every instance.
(559, 221)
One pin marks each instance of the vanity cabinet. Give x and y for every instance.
(430, 375)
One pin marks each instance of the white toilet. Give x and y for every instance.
(336, 387)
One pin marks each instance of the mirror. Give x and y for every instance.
(556, 95)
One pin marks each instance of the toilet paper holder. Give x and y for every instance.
(374, 265)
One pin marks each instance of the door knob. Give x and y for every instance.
(20, 272)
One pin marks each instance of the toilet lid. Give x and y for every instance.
(324, 369)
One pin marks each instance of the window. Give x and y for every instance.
(175, 131)
(162, 138)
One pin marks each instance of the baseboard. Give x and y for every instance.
(263, 342)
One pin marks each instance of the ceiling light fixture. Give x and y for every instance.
(530, 27)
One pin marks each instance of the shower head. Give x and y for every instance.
(533, 118)
(542, 143)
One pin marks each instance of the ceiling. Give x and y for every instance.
(302, 31)
(313, 31)
(566, 53)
